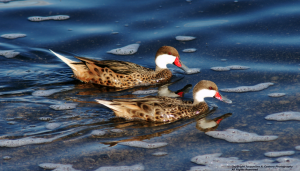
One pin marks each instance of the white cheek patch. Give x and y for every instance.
(200, 95)
(162, 60)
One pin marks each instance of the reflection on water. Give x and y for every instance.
(261, 35)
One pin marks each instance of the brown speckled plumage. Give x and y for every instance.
(120, 74)
(159, 109)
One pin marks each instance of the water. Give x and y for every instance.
(262, 35)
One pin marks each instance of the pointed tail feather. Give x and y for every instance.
(66, 60)
(108, 104)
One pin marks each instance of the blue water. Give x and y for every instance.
(263, 35)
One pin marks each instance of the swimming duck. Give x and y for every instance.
(165, 109)
(123, 74)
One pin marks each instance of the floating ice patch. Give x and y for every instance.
(126, 50)
(279, 153)
(52, 125)
(55, 17)
(98, 133)
(24, 141)
(220, 68)
(49, 92)
(235, 135)
(66, 106)
(284, 116)
(136, 167)
(9, 53)
(57, 167)
(189, 50)
(238, 67)
(276, 94)
(144, 92)
(241, 89)
(185, 38)
(12, 36)
(45, 118)
(142, 144)
(160, 153)
(205, 159)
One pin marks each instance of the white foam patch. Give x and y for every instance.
(52, 126)
(241, 89)
(117, 130)
(9, 53)
(136, 167)
(160, 153)
(98, 133)
(24, 141)
(138, 92)
(49, 92)
(57, 167)
(190, 50)
(45, 118)
(66, 106)
(142, 144)
(6, 157)
(238, 67)
(279, 153)
(55, 17)
(12, 36)
(284, 116)
(192, 70)
(126, 50)
(297, 147)
(215, 162)
(276, 94)
(220, 68)
(237, 136)
(185, 38)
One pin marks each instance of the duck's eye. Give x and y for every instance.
(210, 88)
(170, 53)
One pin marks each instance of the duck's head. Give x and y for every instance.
(168, 55)
(205, 89)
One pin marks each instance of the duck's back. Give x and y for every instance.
(118, 73)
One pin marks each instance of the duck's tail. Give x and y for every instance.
(66, 60)
(108, 104)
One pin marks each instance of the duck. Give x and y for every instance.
(121, 74)
(165, 109)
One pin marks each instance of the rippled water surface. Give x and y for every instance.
(261, 35)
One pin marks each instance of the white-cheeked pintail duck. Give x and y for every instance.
(165, 109)
(123, 74)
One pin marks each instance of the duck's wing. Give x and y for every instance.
(120, 67)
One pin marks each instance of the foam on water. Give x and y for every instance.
(142, 144)
(284, 116)
(13, 36)
(9, 53)
(220, 68)
(6, 157)
(136, 167)
(235, 135)
(189, 50)
(185, 38)
(126, 50)
(297, 147)
(66, 106)
(98, 133)
(276, 94)
(160, 153)
(138, 92)
(227, 68)
(215, 162)
(55, 17)
(49, 92)
(242, 89)
(45, 118)
(57, 167)
(24, 141)
(279, 153)
(52, 126)
(116, 130)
